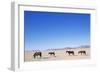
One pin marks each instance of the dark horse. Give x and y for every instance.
(37, 54)
(52, 53)
(82, 52)
(70, 52)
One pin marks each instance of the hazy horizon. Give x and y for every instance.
(44, 30)
(82, 46)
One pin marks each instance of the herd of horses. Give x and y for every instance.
(82, 52)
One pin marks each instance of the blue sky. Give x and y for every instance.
(45, 30)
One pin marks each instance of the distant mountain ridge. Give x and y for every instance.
(82, 46)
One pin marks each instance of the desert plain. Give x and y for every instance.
(59, 54)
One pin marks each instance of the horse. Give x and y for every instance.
(70, 52)
(82, 52)
(37, 54)
(51, 53)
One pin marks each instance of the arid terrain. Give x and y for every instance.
(57, 54)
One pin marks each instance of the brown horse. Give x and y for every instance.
(70, 52)
(82, 52)
(51, 53)
(37, 54)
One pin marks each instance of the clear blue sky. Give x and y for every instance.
(45, 30)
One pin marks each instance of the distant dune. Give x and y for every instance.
(58, 54)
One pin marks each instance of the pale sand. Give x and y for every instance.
(60, 55)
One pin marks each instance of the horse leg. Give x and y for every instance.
(54, 55)
(40, 55)
(69, 53)
(81, 53)
(73, 53)
(85, 53)
(34, 56)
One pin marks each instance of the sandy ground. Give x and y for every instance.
(59, 55)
